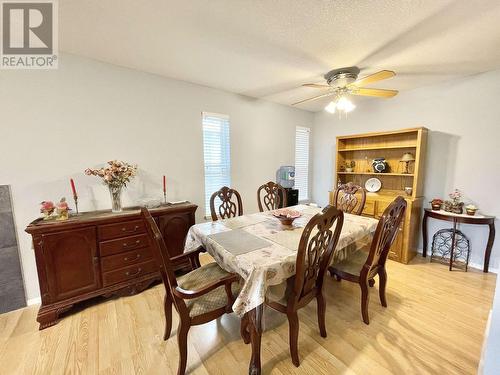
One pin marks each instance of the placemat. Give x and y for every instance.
(243, 221)
(238, 241)
(287, 238)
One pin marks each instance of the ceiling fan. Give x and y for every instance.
(343, 82)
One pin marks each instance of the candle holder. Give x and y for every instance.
(165, 197)
(75, 198)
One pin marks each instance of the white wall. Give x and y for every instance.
(56, 123)
(463, 148)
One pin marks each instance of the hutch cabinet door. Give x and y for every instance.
(71, 262)
(396, 249)
(174, 228)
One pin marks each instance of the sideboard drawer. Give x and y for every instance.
(129, 273)
(117, 261)
(127, 228)
(124, 244)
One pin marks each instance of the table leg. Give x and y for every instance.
(255, 328)
(453, 243)
(424, 234)
(489, 245)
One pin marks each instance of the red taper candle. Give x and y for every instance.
(73, 187)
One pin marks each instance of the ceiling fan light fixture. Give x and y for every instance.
(345, 105)
(341, 105)
(331, 107)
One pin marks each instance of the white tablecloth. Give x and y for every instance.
(275, 263)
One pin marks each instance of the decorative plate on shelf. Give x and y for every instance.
(373, 184)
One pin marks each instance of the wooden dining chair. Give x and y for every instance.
(361, 267)
(274, 196)
(316, 246)
(228, 207)
(199, 296)
(350, 198)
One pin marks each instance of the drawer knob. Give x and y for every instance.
(127, 259)
(135, 273)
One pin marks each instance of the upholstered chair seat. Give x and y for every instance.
(353, 264)
(200, 277)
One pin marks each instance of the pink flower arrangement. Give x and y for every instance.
(62, 205)
(47, 207)
(455, 196)
(116, 174)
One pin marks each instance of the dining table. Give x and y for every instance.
(263, 252)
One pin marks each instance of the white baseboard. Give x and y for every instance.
(34, 301)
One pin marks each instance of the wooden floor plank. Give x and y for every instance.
(434, 325)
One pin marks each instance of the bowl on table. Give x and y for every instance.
(286, 215)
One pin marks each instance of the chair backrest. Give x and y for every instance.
(274, 196)
(385, 234)
(316, 246)
(227, 208)
(160, 251)
(345, 198)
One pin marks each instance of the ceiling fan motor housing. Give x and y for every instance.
(342, 77)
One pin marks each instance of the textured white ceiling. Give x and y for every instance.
(267, 48)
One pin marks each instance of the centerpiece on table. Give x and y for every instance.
(455, 205)
(286, 215)
(115, 175)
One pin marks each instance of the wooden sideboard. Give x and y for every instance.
(101, 254)
(391, 145)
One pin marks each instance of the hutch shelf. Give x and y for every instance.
(391, 145)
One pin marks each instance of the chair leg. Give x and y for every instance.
(182, 333)
(332, 274)
(321, 314)
(293, 322)
(382, 274)
(245, 334)
(365, 298)
(167, 305)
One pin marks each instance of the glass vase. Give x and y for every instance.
(115, 193)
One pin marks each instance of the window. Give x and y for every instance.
(216, 152)
(302, 161)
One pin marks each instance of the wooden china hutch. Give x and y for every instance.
(101, 253)
(392, 145)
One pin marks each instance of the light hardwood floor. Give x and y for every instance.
(434, 325)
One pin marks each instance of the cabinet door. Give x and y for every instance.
(71, 262)
(174, 228)
(396, 249)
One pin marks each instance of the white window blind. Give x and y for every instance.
(216, 151)
(302, 161)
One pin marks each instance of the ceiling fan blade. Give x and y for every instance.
(375, 77)
(316, 86)
(315, 97)
(381, 93)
